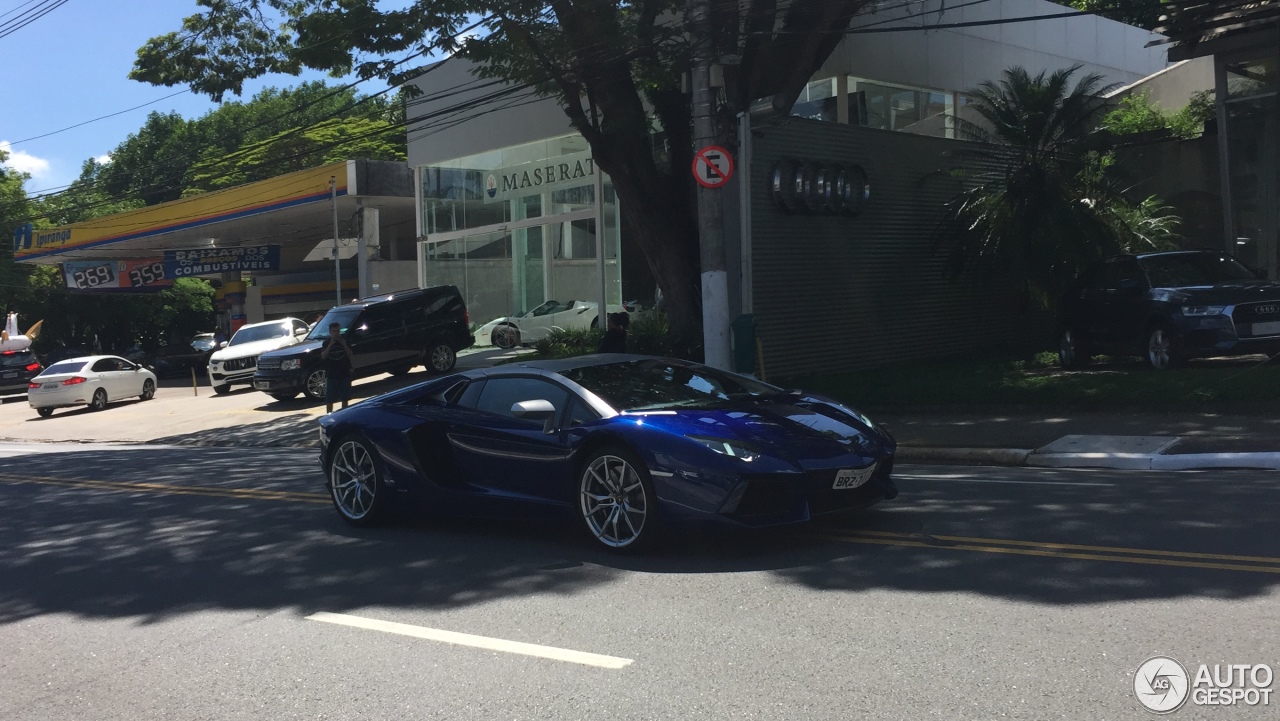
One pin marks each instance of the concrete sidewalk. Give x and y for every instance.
(1157, 441)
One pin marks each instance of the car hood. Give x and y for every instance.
(798, 429)
(1224, 293)
(248, 350)
(300, 349)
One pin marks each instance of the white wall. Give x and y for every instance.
(961, 58)
(511, 120)
(1171, 88)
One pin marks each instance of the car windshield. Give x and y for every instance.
(64, 367)
(344, 317)
(647, 385)
(1180, 270)
(16, 359)
(261, 332)
(203, 344)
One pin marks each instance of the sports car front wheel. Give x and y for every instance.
(355, 482)
(616, 500)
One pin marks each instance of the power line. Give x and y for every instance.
(16, 9)
(26, 18)
(101, 117)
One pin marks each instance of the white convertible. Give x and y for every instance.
(91, 381)
(535, 325)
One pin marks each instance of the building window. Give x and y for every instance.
(818, 101)
(1250, 78)
(902, 108)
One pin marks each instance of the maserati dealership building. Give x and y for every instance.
(509, 203)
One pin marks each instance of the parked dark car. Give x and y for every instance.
(178, 358)
(622, 444)
(387, 333)
(64, 352)
(17, 368)
(1167, 307)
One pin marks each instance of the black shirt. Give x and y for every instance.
(614, 341)
(339, 361)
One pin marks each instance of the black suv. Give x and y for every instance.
(387, 333)
(17, 368)
(1167, 307)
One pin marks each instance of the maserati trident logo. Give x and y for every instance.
(1161, 684)
(491, 185)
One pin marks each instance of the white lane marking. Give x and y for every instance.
(954, 479)
(467, 639)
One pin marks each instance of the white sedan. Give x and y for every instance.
(94, 381)
(535, 325)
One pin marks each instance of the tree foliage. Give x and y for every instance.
(614, 66)
(1045, 204)
(1137, 114)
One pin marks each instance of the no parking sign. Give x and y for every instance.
(712, 166)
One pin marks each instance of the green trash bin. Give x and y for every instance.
(743, 333)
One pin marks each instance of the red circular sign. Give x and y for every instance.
(712, 166)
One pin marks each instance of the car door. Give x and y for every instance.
(373, 338)
(128, 379)
(1124, 303)
(536, 324)
(106, 371)
(507, 456)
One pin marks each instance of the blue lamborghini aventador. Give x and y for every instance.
(627, 444)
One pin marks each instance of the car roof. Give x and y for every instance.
(1194, 251)
(397, 295)
(567, 364)
(90, 359)
(277, 321)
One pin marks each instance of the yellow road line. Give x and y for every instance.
(211, 491)
(1058, 554)
(1074, 547)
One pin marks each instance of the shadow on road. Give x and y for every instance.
(150, 555)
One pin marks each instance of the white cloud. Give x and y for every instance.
(25, 162)
(103, 159)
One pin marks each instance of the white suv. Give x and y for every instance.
(236, 361)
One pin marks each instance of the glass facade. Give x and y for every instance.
(515, 227)
(880, 105)
(1250, 111)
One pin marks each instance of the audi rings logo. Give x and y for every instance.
(1266, 309)
(1161, 684)
(819, 188)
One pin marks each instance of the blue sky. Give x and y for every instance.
(72, 65)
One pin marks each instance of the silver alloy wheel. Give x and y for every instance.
(613, 501)
(1159, 349)
(316, 383)
(1068, 352)
(442, 358)
(505, 336)
(353, 480)
(99, 400)
(148, 390)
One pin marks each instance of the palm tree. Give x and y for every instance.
(1042, 203)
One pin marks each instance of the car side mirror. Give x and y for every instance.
(223, 344)
(537, 410)
(299, 331)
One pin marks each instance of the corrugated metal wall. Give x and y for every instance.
(836, 293)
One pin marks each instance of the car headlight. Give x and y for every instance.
(1203, 310)
(733, 449)
(290, 364)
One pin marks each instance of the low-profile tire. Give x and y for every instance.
(505, 337)
(284, 396)
(356, 481)
(616, 501)
(441, 357)
(99, 401)
(44, 412)
(1161, 352)
(314, 384)
(401, 370)
(222, 390)
(148, 390)
(1072, 353)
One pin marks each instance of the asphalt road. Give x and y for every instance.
(146, 582)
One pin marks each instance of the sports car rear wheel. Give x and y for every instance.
(616, 500)
(355, 482)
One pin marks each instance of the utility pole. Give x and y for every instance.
(337, 257)
(715, 279)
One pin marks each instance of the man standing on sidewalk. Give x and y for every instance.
(337, 359)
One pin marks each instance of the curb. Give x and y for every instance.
(1269, 460)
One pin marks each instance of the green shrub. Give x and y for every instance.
(650, 336)
(566, 343)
